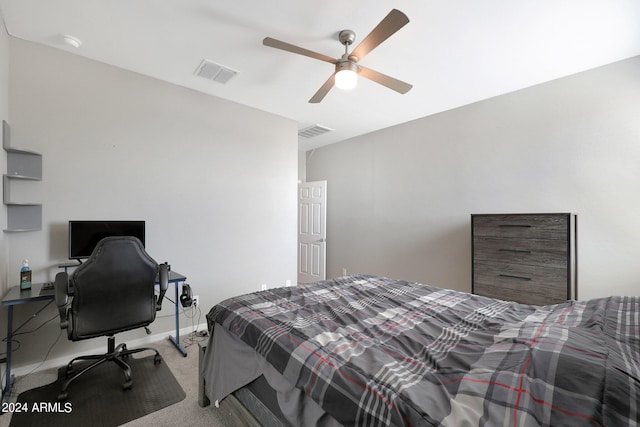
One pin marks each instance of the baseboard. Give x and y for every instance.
(138, 342)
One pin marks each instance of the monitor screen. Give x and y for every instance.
(85, 235)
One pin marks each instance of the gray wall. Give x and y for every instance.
(400, 199)
(215, 181)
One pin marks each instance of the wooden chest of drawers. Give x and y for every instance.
(527, 258)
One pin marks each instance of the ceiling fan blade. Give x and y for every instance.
(384, 80)
(268, 41)
(324, 89)
(389, 25)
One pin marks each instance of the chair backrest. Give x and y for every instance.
(113, 291)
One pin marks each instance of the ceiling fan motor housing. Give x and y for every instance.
(346, 64)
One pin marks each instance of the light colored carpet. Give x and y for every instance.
(184, 413)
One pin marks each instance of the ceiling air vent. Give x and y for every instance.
(216, 72)
(312, 131)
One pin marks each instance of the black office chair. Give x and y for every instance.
(111, 292)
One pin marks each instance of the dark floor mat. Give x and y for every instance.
(97, 397)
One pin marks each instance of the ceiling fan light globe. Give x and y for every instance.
(346, 79)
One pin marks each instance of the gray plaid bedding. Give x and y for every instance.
(375, 351)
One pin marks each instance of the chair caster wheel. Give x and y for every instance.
(157, 359)
(127, 385)
(63, 396)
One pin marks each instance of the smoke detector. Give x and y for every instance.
(72, 41)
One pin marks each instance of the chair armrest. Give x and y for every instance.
(163, 278)
(61, 293)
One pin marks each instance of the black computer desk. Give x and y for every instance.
(15, 296)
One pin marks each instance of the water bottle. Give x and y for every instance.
(25, 275)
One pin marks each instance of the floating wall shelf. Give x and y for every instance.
(24, 165)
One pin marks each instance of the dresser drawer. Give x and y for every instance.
(518, 294)
(528, 283)
(544, 253)
(522, 226)
(532, 275)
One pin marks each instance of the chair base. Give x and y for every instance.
(118, 355)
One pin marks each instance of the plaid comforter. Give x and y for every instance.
(377, 352)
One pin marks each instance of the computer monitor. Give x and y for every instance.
(85, 235)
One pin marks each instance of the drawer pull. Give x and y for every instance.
(515, 225)
(515, 277)
(520, 251)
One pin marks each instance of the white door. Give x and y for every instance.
(312, 231)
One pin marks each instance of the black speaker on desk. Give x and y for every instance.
(186, 298)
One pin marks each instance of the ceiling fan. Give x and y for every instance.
(347, 67)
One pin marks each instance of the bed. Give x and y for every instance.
(368, 350)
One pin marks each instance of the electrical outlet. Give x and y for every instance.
(288, 283)
(263, 287)
(344, 271)
(196, 300)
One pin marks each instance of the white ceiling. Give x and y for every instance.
(454, 52)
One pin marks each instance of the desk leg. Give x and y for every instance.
(176, 340)
(6, 393)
